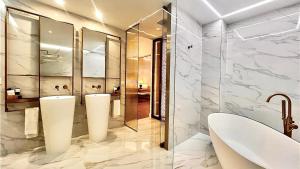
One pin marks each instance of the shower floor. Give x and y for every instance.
(123, 149)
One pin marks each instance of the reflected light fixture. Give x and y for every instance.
(210, 6)
(55, 47)
(60, 2)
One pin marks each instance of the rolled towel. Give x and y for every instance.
(31, 122)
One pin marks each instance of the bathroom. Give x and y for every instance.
(82, 85)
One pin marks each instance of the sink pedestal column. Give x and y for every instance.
(97, 108)
(57, 116)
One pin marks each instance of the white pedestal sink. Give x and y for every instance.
(57, 116)
(97, 107)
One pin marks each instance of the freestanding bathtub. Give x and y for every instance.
(242, 143)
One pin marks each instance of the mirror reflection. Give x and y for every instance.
(94, 47)
(56, 48)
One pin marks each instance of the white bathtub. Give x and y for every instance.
(241, 143)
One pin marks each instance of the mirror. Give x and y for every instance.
(94, 51)
(56, 48)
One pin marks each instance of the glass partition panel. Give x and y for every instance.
(148, 63)
(131, 97)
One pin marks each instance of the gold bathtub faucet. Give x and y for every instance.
(288, 123)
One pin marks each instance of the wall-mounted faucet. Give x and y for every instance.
(288, 123)
(57, 87)
(97, 87)
(65, 87)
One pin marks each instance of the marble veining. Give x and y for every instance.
(256, 68)
(48, 86)
(187, 78)
(211, 68)
(22, 31)
(89, 82)
(29, 85)
(123, 148)
(197, 152)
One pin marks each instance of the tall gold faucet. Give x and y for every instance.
(288, 123)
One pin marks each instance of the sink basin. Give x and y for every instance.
(57, 116)
(97, 108)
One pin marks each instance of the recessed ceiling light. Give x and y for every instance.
(212, 8)
(209, 5)
(99, 15)
(247, 8)
(50, 32)
(60, 2)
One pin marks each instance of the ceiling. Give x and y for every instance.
(201, 12)
(118, 13)
(123, 13)
(152, 27)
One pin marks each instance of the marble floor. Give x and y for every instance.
(123, 149)
(196, 153)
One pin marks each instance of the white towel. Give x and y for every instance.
(116, 108)
(31, 122)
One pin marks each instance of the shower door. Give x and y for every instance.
(131, 83)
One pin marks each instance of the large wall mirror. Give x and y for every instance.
(94, 51)
(56, 48)
(56, 57)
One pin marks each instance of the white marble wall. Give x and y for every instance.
(12, 123)
(187, 82)
(211, 71)
(256, 68)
